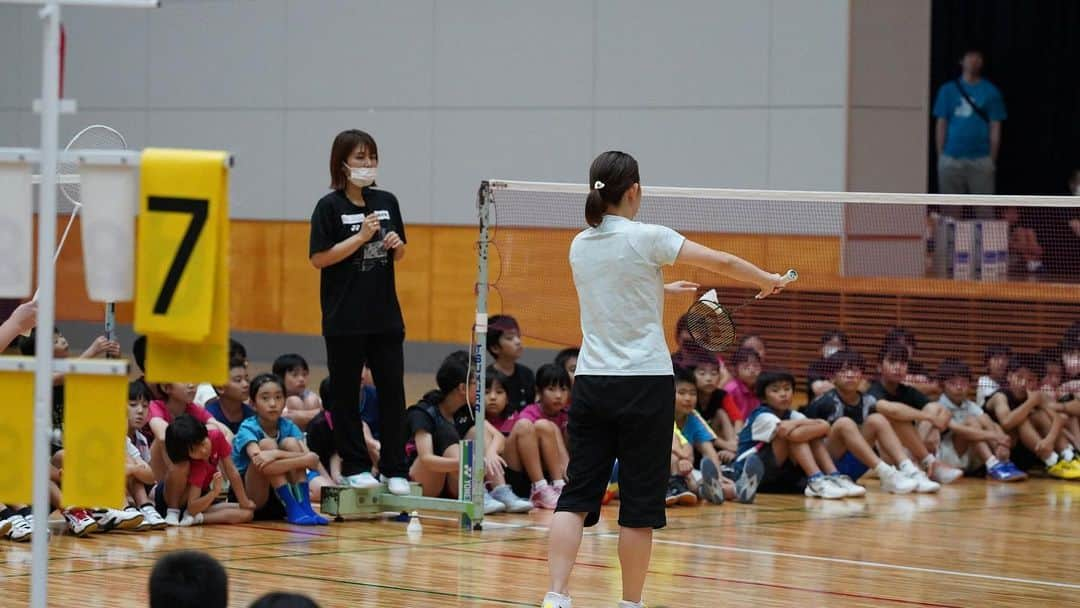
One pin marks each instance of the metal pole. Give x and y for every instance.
(50, 118)
(479, 354)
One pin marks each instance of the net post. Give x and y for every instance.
(50, 119)
(483, 205)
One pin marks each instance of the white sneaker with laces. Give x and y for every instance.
(398, 486)
(823, 487)
(853, 489)
(364, 481)
(923, 484)
(895, 482)
(80, 523)
(22, 528)
(555, 600)
(113, 519)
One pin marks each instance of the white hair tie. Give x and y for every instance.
(599, 185)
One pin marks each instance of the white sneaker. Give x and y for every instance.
(151, 517)
(823, 487)
(513, 502)
(895, 482)
(554, 600)
(80, 523)
(923, 485)
(364, 481)
(191, 520)
(113, 519)
(172, 518)
(491, 505)
(398, 486)
(852, 489)
(22, 528)
(943, 473)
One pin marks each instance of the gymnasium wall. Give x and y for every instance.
(735, 93)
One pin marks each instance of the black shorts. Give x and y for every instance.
(630, 418)
(272, 509)
(786, 478)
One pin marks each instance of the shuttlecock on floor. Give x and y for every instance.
(414, 528)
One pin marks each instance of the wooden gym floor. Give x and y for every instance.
(974, 544)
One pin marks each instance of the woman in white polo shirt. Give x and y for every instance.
(624, 392)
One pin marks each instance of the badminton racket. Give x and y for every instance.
(93, 137)
(710, 324)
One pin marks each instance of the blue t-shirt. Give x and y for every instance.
(214, 407)
(251, 432)
(696, 430)
(968, 135)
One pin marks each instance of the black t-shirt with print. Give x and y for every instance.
(520, 387)
(358, 294)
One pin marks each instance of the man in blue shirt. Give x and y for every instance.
(969, 111)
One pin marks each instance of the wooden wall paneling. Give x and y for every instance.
(413, 278)
(453, 282)
(300, 311)
(256, 280)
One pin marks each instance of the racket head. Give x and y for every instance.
(93, 137)
(710, 325)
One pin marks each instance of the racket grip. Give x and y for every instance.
(790, 275)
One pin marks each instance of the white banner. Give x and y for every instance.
(16, 230)
(109, 205)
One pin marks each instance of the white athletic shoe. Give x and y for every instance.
(513, 502)
(22, 528)
(491, 505)
(79, 521)
(554, 600)
(943, 473)
(398, 486)
(852, 489)
(895, 482)
(151, 517)
(823, 487)
(923, 484)
(113, 519)
(364, 481)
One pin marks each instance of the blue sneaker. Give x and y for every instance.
(998, 472)
(746, 485)
(1015, 473)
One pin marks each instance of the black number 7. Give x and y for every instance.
(198, 209)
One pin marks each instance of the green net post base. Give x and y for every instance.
(342, 501)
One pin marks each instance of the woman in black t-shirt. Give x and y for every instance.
(357, 235)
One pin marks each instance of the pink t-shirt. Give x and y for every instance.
(739, 401)
(158, 410)
(534, 412)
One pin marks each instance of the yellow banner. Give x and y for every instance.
(184, 195)
(95, 424)
(17, 437)
(182, 295)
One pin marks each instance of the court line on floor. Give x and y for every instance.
(737, 581)
(862, 563)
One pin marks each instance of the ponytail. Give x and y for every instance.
(594, 208)
(610, 176)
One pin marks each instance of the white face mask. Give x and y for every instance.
(829, 351)
(362, 176)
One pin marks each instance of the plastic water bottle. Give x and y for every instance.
(414, 528)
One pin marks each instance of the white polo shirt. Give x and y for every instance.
(620, 286)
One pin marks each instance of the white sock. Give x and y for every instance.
(1051, 460)
(907, 467)
(992, 462)
(883, 468)
(539, 484)
(929, 460)
(172, 517)
(1068, 454)
(558, 483)
(626, 604)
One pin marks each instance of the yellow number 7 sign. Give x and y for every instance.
(181, 291)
